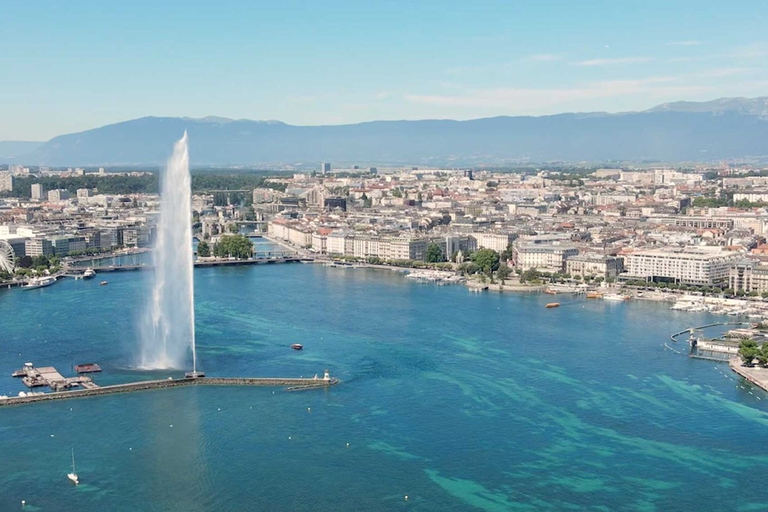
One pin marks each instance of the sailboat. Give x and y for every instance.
(73, 475)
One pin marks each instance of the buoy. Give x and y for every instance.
(219, 408)
(51, 435)
(289, 437)
(309, 409)
(23, 502)
(131, 448)
(406, 497)
(171, 426)
(347, 445)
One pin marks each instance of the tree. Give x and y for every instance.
(506, 254)
(25, 262)
(503, 272)
(233, 246)
(762, 355)
(396, 192)
(232, 228)
(748, 350)
(434, 253)
(486, 259)
(529, 275)
(203, 249)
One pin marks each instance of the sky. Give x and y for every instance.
(74, 66)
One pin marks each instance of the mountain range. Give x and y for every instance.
(722, 129)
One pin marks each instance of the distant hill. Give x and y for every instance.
(11, 150)
(728, 128)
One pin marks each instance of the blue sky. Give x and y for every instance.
(72, 66)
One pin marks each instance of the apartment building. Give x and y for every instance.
(689, 265)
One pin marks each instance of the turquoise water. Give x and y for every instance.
(462, 401)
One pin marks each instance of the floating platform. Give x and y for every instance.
(87, 368)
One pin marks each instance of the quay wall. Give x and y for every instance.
(165, 384)
(755, 375)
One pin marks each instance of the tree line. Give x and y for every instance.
(144, 184)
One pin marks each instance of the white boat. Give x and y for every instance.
(89, 273)
(614, 296)
(73, 475)
(39, 282)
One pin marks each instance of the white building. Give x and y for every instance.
(38, 191)
(548, 257)
(688, 265)
(496, 241)
(6, 181)
(594, 265)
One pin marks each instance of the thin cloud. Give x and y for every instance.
(549, 97)
(684, 43)
(542, 57)
(612, 62)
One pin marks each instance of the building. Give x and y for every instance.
(749, 276)
(403, 248)
(496, 241)
(84, 193)
(6, 181)
(549, 257)
(63, 245)
(335, 202)
(703, 266)
(17, 243)
(57, 195)
(38, 246)
(38, 191)
(325, 167)
(290, 231)
(594, 265)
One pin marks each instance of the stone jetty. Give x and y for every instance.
(288, 383)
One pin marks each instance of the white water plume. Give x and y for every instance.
(168, 325)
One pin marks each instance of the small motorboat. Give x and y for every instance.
(553, 305)
(297, 346)
(103, 283)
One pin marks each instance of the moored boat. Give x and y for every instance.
(103, 283)
(89, 273)
(39, 282)
(553, 305)
(297, 346)
(614, 296)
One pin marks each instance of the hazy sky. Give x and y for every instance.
(72, 66)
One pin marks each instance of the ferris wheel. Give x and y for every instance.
(7, 257)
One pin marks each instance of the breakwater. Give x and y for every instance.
(288, 383)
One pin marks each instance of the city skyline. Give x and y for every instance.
(72, 68)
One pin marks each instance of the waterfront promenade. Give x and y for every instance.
(757, 375)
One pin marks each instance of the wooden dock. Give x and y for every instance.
(289, 383)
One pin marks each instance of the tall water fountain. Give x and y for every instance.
(168, 325)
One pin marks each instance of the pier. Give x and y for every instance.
(76, 272)
(91, 389)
